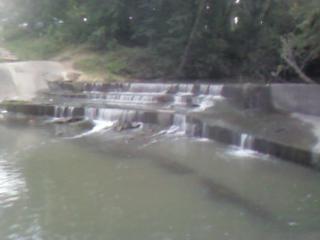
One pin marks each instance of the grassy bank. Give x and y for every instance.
(29, 47)
(117, 64)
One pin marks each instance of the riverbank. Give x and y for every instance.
(117, 64)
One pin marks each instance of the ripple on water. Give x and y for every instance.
(11, 183)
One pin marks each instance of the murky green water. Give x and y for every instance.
(173, 189)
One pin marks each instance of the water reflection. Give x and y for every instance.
(108, 188)
(11, 183)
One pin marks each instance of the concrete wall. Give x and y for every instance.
(292, 98)
(298, 98)
(26, 78)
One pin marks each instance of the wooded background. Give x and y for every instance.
(262, 39)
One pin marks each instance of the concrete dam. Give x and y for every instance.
(156, 160)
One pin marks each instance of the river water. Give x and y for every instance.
(168, 188)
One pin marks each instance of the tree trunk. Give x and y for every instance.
(298, 71)
(289, 58)
(192, 36)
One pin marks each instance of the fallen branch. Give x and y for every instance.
(288, 56)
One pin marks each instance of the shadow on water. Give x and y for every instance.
(215, 191)
(218, 192)
(173, 166)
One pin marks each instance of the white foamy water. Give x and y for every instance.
(246, 141)
(99, 126)
(11, 183)
(240, 152)
(179, 126)
(173, 188)
(110, 115)
(150, 87)
(210, 95)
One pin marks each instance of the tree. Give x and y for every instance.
(301, 47)
(191, 38)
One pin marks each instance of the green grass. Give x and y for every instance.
(30, 47)
(96, 65)
(121, 63)
(125, 63)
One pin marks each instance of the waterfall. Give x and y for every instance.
(59, 111)
(204, 89)
(183, 99)
(96, 95)
(205, 101)
(179, 124)
(63, 111)
(128, 98)
(245, 146)
(215, 90)
(183, 95)
(186, 88)
(70, 111)
(150, 87)
(110, 115)
(246, 141)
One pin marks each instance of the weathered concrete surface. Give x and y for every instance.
(277, 134)
(296, 98)
(7, 86)
(291, 98)
(23, 79)
(266, 113)
(157, 117)
(249, 96)
(7, 56)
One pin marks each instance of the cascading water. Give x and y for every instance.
(186, 88)
(246, 141)
(213, 94)
(181, 95)
(183, 99)
(244, 146)
(179, 125)
(107, 118)
(64, 111)
(204, 89)
(126, 98)
(110, 115)
(59, 111)
(151, 87)
(215, 90)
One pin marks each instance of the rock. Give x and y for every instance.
(53, 77)
(121, 126)
(164, 98)
(71, 76)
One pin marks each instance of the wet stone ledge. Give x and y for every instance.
(228, 136)
(195, 128)
(161, 118)
(29, 109)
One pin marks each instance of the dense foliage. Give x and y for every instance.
(189, 38)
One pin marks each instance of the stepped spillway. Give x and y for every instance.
(239, 115)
